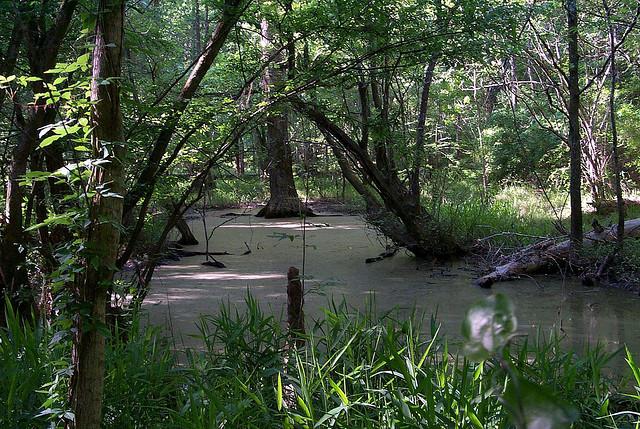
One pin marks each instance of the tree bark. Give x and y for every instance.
(186, 236)
(105, 216)
(283, 199)
(575, 169)
(427, 79)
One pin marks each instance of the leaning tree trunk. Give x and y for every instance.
(186, 236)
(146, 181)
(428, 237)
(283, 200)
(376, 214)
(105, 216)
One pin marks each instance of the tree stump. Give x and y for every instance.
(295, 302)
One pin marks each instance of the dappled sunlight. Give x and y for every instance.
(221, 276)
(294, 226)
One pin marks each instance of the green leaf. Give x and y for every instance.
(474, 419)
(303, 406)
(339, 391)
(59, 80)
(50, 140)
(533, 407)
(279, 393)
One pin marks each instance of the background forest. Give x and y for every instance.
(489, 130)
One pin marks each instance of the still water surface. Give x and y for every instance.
(336, 248)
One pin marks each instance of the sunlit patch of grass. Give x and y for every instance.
(516, 216)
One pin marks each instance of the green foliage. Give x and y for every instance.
(358, 370)
(34, 368)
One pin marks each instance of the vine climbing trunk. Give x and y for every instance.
(105, 215)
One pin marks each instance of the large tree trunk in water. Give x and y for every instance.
(547, 255)
(186, 236)
(575, 170)
(283, 199)
(105, 216)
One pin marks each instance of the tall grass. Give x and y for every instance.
(357, 370)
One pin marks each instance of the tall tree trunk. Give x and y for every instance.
(240, 167)
(11, 55)
(614, 129)
(283, 199)
(575, 169)
(105, 216)
(427, 79)
(197, 35)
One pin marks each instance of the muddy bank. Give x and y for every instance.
(335, 249)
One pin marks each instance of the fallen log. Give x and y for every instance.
(547, 255)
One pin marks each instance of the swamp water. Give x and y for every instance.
(334, 268)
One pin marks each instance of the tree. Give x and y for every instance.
(283, 199)
(146, 180)
(103, 236)
(42, 48)
(575, 153)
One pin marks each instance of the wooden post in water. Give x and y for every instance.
(295, 301)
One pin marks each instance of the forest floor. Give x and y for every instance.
(330, 250)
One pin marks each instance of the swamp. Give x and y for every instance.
(320, 214)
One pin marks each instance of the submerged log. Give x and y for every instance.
(548, 254)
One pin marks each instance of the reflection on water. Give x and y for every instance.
(334, 267)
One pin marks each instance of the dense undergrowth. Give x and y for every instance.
(357, 371)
